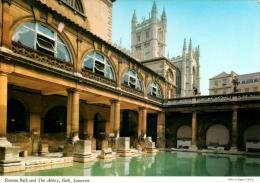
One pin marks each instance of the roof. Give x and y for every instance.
(158, 59)
(221, 75)
(255, 75)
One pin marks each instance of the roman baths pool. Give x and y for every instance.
(161, 164)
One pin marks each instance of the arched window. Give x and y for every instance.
(39, 37)
(99, 64)
(131, 79)
(74, 4)
(154, 90)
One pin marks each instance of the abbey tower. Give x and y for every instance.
(149, 36)
(149, 43)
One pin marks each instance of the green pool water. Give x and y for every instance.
(164, 164)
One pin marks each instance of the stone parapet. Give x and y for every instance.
(82, 151)
(123, 147)
(9, 160)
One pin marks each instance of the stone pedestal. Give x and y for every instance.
(193, 148)
(160, 142)
(150, 145)
(69, 144)
(123, 147)
(82, 151)
(43, 149)
(9, 160)
(4, 142)
(233, 149)
(35, 143)
(112, 142)
(106, 153)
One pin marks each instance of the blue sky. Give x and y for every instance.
(228, 31)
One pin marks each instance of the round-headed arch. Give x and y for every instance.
(40, 37)
(132, 79)
(154, 89)
(98, 63)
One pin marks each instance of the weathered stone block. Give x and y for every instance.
(9, 159)
(82, 151)
(150, 145)
(83, 147)
(123, 144)
(9, 153)
(43, 149)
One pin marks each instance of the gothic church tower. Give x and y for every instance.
(189, 67)
(149, 36)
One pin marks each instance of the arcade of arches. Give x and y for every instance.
(227, 129)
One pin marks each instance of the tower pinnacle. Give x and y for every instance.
(134, 19)
(184, 46)
(154, 10)
(190, 46)
(164, 17)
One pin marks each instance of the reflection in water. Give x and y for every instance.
(251, 165)
(162, 164)
(217, 165)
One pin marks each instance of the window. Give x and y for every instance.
(99, 64)
(246, 89)
(224, 91)
(255, 89)
(243, 82)
(74, 4)
(131, 79)
(216, 83)
(154, 90)
(169, 75)
(215, 91)
(138, 37)
(249, 81)
(147, 34)
(41, 38)
(224, 82)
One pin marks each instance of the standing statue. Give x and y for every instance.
(235, 83)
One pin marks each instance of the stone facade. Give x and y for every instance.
(224, 83)
(149, 36)
(188, 76)
(149, 44)
(46, 90)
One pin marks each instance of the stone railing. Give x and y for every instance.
(214, 98)
(41, 57)
(131, 90)
(97, 77)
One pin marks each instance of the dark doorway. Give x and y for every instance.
(129, 126)
(99, 130)
(16, 117)
(152, 126)
(55, 120)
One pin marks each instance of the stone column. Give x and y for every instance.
(35, 129)
(7, 20)
(194, 131)
(69, 112)
(114, 123)
(161, 130)
(72, 121)
(89, 127)
(115, 117)
(142, 117)
(3, 110)
(75, 114)
(234, 131)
